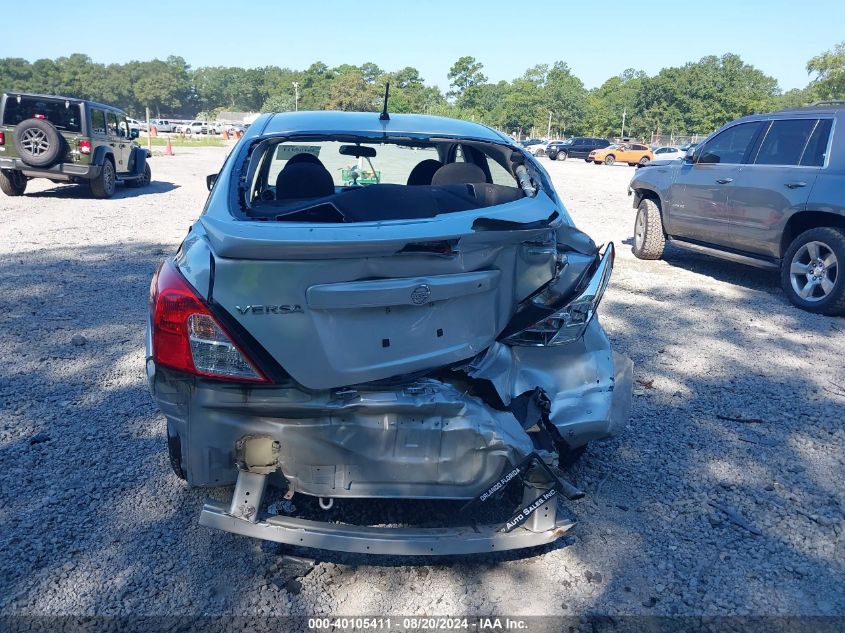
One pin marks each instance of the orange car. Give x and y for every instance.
(631, 153)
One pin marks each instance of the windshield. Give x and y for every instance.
(64, 115)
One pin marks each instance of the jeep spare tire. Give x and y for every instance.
(38, 143)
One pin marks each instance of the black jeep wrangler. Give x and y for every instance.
(67, 140)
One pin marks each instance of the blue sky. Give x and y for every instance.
(597, 39)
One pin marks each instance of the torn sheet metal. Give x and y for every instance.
(588, 386)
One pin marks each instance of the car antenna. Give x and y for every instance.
(384, 116)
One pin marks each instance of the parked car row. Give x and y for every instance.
(185, 127)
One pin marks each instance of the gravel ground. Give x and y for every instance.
(724, 495)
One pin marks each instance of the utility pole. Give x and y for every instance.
(549, 128)
(295, 96)
(624, 113)
(149, 132)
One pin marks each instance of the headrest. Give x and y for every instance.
(424, 171)
(303, 179)
(303, 157)
(458, 174)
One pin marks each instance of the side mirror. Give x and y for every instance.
(690, 156)
(210, 180)
(133, 134)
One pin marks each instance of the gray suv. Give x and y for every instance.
(766, 190)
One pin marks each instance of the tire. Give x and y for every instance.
(823, 283)
(12, 182)
(645, 160)
(144, 180)
(103, 186)
(609, 159)
(561, 156)
(174, 452)
(569, 456)
(649, 240)
(587, 160)
(38, 143)
(539, 152)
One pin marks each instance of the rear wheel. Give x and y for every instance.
(562, 156)
(12, 182)
(569, 456)
(609, 160)
(174, 452)
(644, 161)
(103, 185)
(539, 152)
(812, 271)
(649, 240)
(144, 180)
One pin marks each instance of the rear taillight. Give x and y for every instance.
(84, 147)
(567, 324)
(187, 337)
(2, 138)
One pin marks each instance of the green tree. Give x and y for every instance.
(16, 74)
(565, 97)
(350, 91)
(464, 75)
(829, 68)
(163, 85)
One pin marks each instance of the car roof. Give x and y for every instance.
(814, 109)
(369, 124)
(36, 95)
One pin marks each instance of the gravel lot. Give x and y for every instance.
(724, 496)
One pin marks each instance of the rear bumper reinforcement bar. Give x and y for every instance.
(370, 540)
(243, 516)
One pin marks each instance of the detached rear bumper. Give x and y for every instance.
(373, 540)
(243, 516)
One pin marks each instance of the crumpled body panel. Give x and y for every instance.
(588, 386)
(425, 438)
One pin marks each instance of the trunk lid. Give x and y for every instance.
(342, 305)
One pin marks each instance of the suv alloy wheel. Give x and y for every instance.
(812, 271)
(103, 185)
(37, 142)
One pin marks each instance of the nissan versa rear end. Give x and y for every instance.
(384, 307)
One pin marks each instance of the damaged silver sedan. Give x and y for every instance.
(383, 308)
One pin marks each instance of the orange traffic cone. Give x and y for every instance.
(168, 149)
(225, 135)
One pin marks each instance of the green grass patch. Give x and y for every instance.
(178, 141)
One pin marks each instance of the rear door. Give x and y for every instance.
(698, 208)
(116, 139)
(580, 147)
(776, 183)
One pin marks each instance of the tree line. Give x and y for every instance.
(691, 99)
